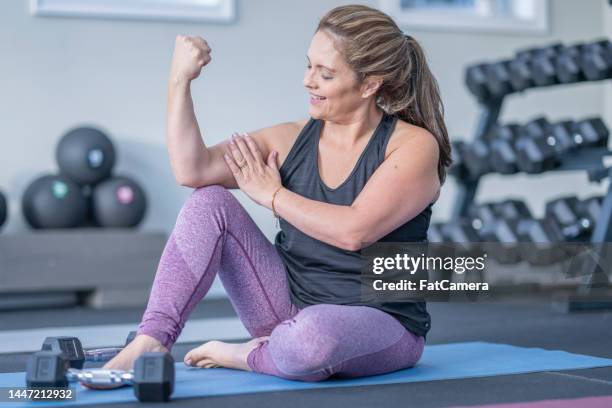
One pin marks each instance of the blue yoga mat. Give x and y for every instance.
(439, 362)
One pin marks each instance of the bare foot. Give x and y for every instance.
(125, 359)
(214, 354)
(141, 344)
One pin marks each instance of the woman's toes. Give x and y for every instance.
(197, 354)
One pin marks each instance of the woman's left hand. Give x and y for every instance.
(258, 179)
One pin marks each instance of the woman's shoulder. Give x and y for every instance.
(410, 136)
(282, 136)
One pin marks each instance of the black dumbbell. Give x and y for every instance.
(477, 83)
(543, 144)
(481, 216)
(534, 67)
(591, 207)
(462, 233)
(544, 66)
(459, 233)
(521, 75)
(575, 218)
(152, 377)
(568, 64)
(591, 132)
(497, 225)
(596, 60)
(567, 220)
(535, 150)
(476, 157)
(543, 237)
(498, 78)
(502, 158)
(74, 353)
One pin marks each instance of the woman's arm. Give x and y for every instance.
(188, 154)
(193, 163)
(403, 185)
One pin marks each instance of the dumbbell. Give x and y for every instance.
(461, 233)
(495, 80)
(532, 67)
(575, 218)
(497, 223)
(475, 156)
(476, 82)
(520, 73)
(458, 232)
(541, 146)
(502, 157)
(498, 78)
(509, 238)
(568, 64)
(532, 148)
(544, 65)
(596, 60)
(567, 220)
(73, 351)
(152, 377)
(536, 148)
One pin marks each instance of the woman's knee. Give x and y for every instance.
(205, 200)
(208, 195)
(301, 347)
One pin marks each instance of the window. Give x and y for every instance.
(194, 10)
(528, 16)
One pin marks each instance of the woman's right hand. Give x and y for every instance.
(191, 54)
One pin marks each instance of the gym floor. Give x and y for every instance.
(521, 325)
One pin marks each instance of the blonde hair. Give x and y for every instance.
(372, 44)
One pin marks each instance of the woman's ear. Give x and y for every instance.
(370, 86)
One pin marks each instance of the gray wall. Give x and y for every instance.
(59, 72)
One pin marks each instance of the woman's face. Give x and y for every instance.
(331, 83)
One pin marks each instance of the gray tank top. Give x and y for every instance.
(321, 273)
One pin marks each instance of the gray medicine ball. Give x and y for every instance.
(118, 203)
(54, 202)
(85, 155)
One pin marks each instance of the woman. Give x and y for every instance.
(365, 167)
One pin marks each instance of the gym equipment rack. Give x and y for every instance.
(596, 284)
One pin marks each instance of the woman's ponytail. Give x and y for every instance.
(424, 106)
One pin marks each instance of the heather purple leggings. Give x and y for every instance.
(214, 234)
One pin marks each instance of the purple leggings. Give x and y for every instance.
(214, 234)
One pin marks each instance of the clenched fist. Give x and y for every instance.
(190, 56)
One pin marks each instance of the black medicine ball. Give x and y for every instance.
(85, 155)
(3, 209)
(118, 203)
(54, 202)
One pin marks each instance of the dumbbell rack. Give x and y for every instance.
(587, 159)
